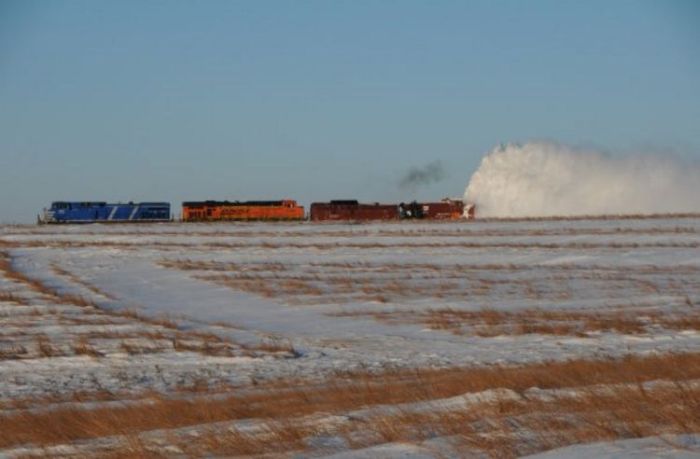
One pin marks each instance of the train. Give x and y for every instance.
(285, 209)
(348, 210)
(103, 212)
(447, 209)
(352, 210)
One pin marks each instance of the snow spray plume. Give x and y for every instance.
(541, 179)
(415, 177)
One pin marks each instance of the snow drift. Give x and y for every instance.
(540, 179)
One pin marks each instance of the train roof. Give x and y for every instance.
(350, 202)
(234, 203)
(345, 202)
(355, 202)
(105, 203)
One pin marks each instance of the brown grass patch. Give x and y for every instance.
(13, 352)
(491, 322)
(340, 393)
(205, 347)
(407, 229)
(328, 246)
(46, 349)
(140, 347)
(83, 347)
(500, 429)
(273, 345)
(334, 282)
(358, 245)
(274, 437)
(10, 297)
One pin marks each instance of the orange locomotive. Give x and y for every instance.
(286, 209)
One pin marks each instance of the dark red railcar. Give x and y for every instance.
(351, 210)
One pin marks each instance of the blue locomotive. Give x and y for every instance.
(102, 212)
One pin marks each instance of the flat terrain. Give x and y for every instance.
(469, 339)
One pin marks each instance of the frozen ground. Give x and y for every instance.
(123, 311)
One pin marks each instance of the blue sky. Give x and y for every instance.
(314, 100)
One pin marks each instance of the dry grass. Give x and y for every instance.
(499, 429)
(273, 345)
(205, 265)
(46, 349)
(491, 322)
(398, 229)
(206, 346)
(95, 397)
(328, 246)
(386, 267)
(347, 282)
(138, 347)
(341, 393)
(83, 347)
(134, 448)
(10, 297)
(534, 321)
(13, 352)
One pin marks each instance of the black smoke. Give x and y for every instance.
(433, 172)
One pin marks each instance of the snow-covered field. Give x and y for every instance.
(479, 338)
